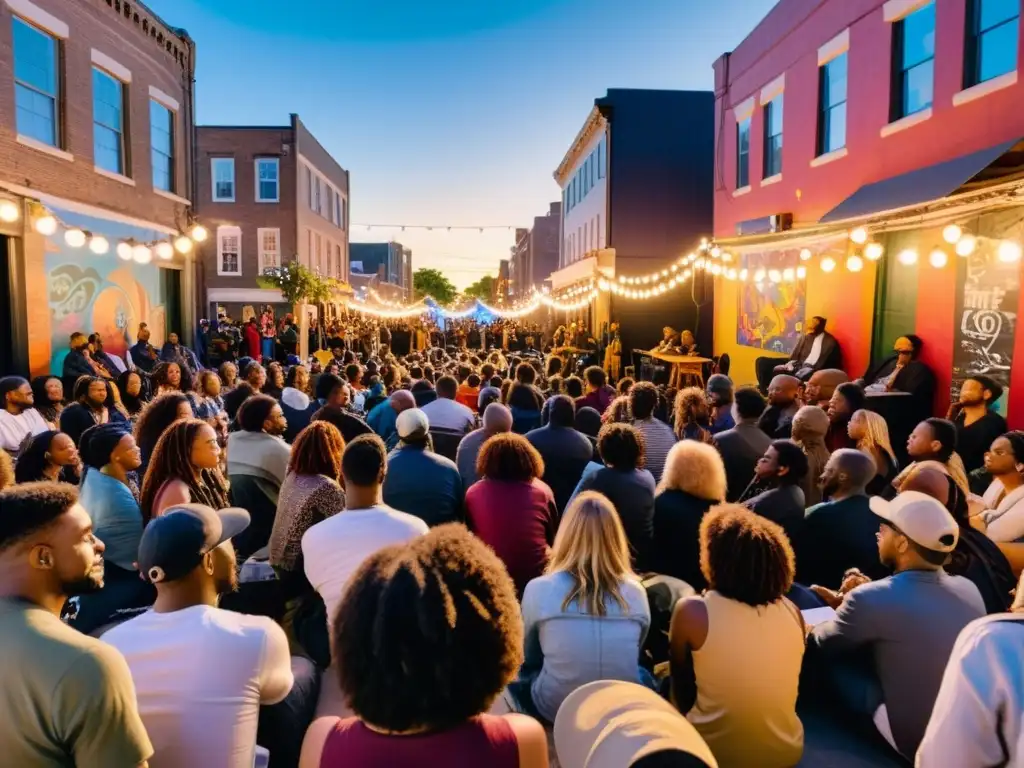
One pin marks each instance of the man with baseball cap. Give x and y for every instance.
(420, 481)
(201, 673)
(906, 624)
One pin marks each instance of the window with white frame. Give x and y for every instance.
(36, 83)
(337, 258)
(330, 203)
(913, 63)
(222, 170)
(270, 248)
(337, 211)
(229, 251)
(316, 195)
(307, 185)
(832, 105)
(773, 137)
(161, 139)
(992, 33)
(108, 108)
(344, 213)
(268, 180)
(319, 253)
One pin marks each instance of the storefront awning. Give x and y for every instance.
(921, 186)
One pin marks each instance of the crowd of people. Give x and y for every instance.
(396, 556)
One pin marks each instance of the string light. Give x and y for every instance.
(859, 235)
(828, 264)
(874, 251)
(124, 251)
(9, 212)
(855, 263)
(966, 245)
(937, 258)
(907, 257)
(199, 233)
(99, 245)
(142, 254)
(74, 237)
(183, 244)
(1008, 252)
(164, 250)
(952, 233)
(46, 225)
(805, 254)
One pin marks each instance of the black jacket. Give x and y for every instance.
(566, 454)
(741, 447)
(831, 356)
(783, 505)
(677, 519)
(837, 536)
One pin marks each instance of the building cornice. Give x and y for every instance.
(595, 122)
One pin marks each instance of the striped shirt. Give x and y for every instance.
(658, 441)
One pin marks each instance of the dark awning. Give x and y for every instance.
(925, 184)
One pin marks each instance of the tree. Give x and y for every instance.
(482, 288)
(431, 282)
(297, 284)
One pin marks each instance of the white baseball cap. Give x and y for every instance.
(921, 518)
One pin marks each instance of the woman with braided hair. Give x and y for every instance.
(158, 414)
(184, 469)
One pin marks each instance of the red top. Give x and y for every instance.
(599, 399)
(485, 740)
(518, 521)
(252, 340)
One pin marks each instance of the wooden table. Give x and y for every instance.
(683, 366)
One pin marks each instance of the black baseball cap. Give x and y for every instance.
(174, 544)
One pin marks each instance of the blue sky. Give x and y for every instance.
(454, 112)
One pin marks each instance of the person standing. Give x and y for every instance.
(744, 444)
(977, 422)
(253, 342)
(18, 417)
(268, 334)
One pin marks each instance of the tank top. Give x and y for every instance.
(747, 675)
(486, 740)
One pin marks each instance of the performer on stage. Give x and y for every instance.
(613, 354)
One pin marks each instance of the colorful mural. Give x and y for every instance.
(100, 293)
(771, 315)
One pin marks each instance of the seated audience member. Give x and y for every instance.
(296, 391)
(254, 373)
(497, 419)
(658, 436)
(310, 494)
(207, 401)
(69, 698)
(818, 389)
(421, 482)
(423, 392)
(574, 389)
(599, 395)
(447, 414)
(783, 403)
(935, 440)
(201, 672)
(839, 533)
(88, 409)
(236, 396)
(588, 423)
(694, 481)
(902, 372)
(438, 616)
(612, 724)
(628, 485)
(185, 469)
(156, 417)
(333, 399)
(977, 423)
(744, 444)
(624, 386)
(586, 618)
(870, 434)
(228, 373)
(816, 350)
(566, 451)
(977, 714)
(692, 416)
(487, 396)
(47, 398)
(781, 472)
(333, 549)
(524, 400)
(275, 381)
(469, 391)
(907, 623)
(6, 470)
(384, 416)
(810, 425)
(167, 377)
(48, 456)
(847, 399)
(618, 411)
(1000, 512)
(18, 418)
(511, 509)
(720, 399)
(737, 650)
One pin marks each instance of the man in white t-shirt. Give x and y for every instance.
(18, 419)
(445, 413)
(333, 549)
(201, 673)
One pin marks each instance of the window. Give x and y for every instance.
(337, 258)
(316, 194)
(222, 169)
(268, 180)
(773, 137)
(161, 139)
(329, 249)
(602, 159)
(108, 122)
(269, 248)
(992, 30)
(309, 247)
(229, 251)
(344, 213)
(319, 254)
(308, 178)
(743, 154)
(37, 83)
(337, 211)
(913, 62)
(832, 112)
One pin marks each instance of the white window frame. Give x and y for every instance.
(330, 262)
(263, 251)
(214, 162)
(223, 232)
(276, 161)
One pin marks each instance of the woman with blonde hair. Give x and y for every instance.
(693, 482)
(871, 434)
(693, 415)
(587, 617)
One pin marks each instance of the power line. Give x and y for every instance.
(439, 227)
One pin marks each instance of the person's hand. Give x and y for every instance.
(978, 523)
(975, 507)
(832, 598)
(852, 579)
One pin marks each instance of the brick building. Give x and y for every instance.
(876, 148)
(269, 195)
(96, 123)
(535, 254)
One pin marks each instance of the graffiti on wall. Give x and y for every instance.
(771, 314)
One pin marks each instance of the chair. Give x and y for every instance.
(446, 441)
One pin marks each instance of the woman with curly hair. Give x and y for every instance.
(132, 387)
(736, 651)
(166, 377)
(618, 412)
(159, 414)
(511, 508)
(438, 617)
(274, 385)
(228, 373)
(48, 456)
(693, 415)
(184, 469)
(48, 398)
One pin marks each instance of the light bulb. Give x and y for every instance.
(938, 258)
(907, 257)
(99, 245)
(966, 245)
(775, 276)
(760, 275)
(859, 235)
(789, 274)
(46, 225)
(675, 267)
(198, 233)
(951, 234)
(743, 274)
(622, 278)
(801, 272)
(9, 211)
(164, 250)
(828, 264)
(1009, 251)
(75, 238)
(142, 254)
(855, 263)
(182, 244)
(715, 252)
(124, 251)
(716, 269)
(874, 251)
(805, 254)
